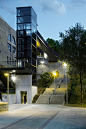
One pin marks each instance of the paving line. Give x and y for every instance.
(42, 126)
(16, 122)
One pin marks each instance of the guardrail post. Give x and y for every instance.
(49, 100)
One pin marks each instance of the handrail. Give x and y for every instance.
(55, 89)
(53, 92)
(50, 97)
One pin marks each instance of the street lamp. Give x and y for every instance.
(7, 75)
(65, 66)
(54, 81)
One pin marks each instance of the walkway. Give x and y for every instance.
(43, 117)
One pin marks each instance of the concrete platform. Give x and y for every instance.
(41, 116)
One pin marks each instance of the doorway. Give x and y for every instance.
(23, 97)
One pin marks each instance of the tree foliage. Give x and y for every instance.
(54, 44)
(73, 50)
(45, 79)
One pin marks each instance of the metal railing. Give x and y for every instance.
(14, 64)
(54, 91)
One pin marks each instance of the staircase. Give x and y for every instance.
(44, 98)
(58, 98)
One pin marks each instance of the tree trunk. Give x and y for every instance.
(81, 89)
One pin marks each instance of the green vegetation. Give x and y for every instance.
(40, 91)
(45, 80)
(54, 44)
(73, 51)
(74, 90)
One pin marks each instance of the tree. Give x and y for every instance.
(45, 79)
(54, 44)
(73, 50)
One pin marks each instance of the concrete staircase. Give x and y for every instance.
(44, 98)
(58, 98)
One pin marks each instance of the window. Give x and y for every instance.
(14, 49)
(13, 40)
(19, 47)
(9, 47)
(23, 12)
(20, 41)
(28, 33)
(20, 26)
(24, 19)
(9, 37)
(27, 26)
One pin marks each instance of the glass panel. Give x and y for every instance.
(34, 15)
(14, 49)
(34, 22)
(24, 11)
(22, 54)
(33, 29)
(9, 47)
(24, 33)
(24, 19)
(20, 41)
(9, 37)
(19, 47)
(22, 47)
(21, 34)
(19, 54)
(28, 32)
(27, 26)
(33, 42)
(20, 26)
(13, 40)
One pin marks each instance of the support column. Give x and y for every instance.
(24, 83)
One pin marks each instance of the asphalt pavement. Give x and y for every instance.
(34, 116)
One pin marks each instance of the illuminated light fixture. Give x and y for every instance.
(38, 44)
(42, 62)
(45, 55)
(6, 74)
(13, 77)
(27, 32)
(14, 70)
(85, 43)
(54, 73)
(19, 63)
(65, 64)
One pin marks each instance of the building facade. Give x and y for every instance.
(7, 42)
(21, 46)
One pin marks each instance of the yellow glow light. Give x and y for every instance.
(54, 74)
(38, 44)
(6, 74)
(65, 64)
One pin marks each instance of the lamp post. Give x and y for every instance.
(7, 75)
(65, 66)
(54, 82)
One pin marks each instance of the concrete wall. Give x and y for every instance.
(50, 67)
(5, 30)
(12, 98)
(24, 83)
(34, 91)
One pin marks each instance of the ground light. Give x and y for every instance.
(7, 75)
(54, 81)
